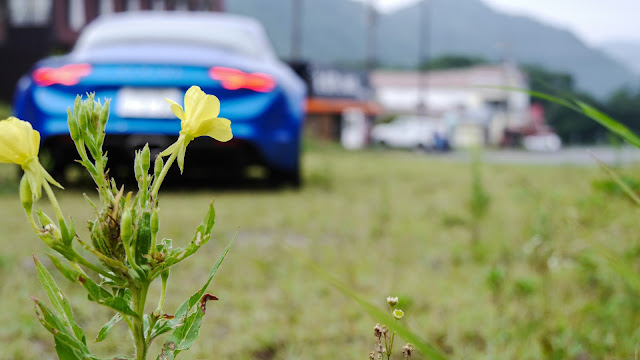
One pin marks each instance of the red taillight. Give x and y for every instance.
(66, 75)
(234, 79)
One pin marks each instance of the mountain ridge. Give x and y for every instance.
(334, 32)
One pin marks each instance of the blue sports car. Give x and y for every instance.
(138, 59)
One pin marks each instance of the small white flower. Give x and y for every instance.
(392, 300)
(398, 314)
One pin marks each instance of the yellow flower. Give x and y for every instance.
(18, 141)
(19, 144)
(198, 118)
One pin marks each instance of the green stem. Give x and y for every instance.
(53, 200)
(89, 265)
(139, 300)
(163, 293)
(393, 336)
(165, 168)
(132, 259)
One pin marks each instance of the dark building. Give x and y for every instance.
(33, 29)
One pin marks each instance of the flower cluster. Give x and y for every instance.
(126, 254)
(385, 337)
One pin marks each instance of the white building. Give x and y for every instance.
(462, 96)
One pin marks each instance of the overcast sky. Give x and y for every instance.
(594, 21)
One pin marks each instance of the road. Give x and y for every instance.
(568, 156)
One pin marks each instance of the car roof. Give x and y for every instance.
(200, 20)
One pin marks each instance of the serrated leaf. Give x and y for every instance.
(58, 300)
(104, 331)
(185, 335)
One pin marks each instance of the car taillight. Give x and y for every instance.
(65, 75)
(234, 79)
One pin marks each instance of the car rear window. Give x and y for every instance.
(233, 36)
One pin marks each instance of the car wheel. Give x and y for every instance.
(279, 178)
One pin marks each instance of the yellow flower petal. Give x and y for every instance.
(217, 128)
(176, 108)
(199, 106)
(18, 141)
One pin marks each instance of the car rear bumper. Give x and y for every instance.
(277, 149)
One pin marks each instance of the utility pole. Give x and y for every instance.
(424, 33)
(296, 30)
(372, 23)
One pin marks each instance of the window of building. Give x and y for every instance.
(106, 7)
(77, 14)
(133, 5)
(24, 13)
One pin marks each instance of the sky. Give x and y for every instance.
(594, 21)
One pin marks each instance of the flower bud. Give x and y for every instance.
(83, 118)
(155, 222)
(398, 314)
(125, 227)
(48, 227)
(73, 125)
(157, 166)
(377, 330)
(145, 155)
(407, 350)
(76, 105)
(392, 301)
(104, 112)
(26, 195)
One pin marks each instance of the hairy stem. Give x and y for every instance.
(165, 168)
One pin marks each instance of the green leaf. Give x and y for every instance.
(104, 297)
(66, 352)
(163, 326)
(621, 183)
(143, 237)
(198, 295)
(68, 345)
(67, 271)
(201, 237)
(186, 323)
(104, 332)
(58, 300)
(186, 335)
(611, 124)
(588, 110)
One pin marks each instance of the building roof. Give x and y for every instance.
(492, 75)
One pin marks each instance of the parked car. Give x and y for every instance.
(139, 58)
(413, 132)
(547, 142)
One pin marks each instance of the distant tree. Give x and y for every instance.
(624, 106)
(452, 61)
(568, 124)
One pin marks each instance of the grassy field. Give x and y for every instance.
(385, 223)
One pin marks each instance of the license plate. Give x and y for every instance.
(146, 103)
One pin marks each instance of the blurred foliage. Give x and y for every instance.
(571, 126)
(5, 110)
(452, 61)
